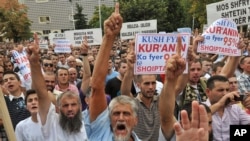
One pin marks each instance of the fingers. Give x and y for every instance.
(178, 129)
(179, 45)
(117, 8)
(131, 46)
(36, 40)
(184, 120)
(203, 118)
(195, 114)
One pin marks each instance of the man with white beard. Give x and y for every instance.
(67, 125)
(117, 121)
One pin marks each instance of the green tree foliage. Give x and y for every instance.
(105, 13)
(81, 20)
(168, 13)
(198, 10)
(14, 23)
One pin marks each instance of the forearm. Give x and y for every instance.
(230, 66)
(101, 64)
(86, 75)
(127, 82)
(167, 101)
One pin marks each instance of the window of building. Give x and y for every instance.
(44, 19)
(45, 32)
(40, 1)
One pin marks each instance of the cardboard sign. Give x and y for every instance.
(221, 38)
(130, 29)
(153, 50)
(94, 36)
(236, 10)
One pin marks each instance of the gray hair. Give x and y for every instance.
(67, 94)
(122, 99)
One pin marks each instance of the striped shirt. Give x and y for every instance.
(148, 125)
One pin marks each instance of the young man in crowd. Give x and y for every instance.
(29, 129)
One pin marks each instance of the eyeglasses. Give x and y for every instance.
(46, 65)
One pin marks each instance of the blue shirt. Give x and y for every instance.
(100, 130)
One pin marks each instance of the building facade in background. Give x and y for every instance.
(55, 16)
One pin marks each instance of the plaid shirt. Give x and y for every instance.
(3, 135)
(243, 83)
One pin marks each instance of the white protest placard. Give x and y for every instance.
(62, 46)
(94, 36)
(43, 44)
(56, 36)
(236, 10)
(152, 50)
(221, 38)
(24, 66)
(130, 29)
(184, 30)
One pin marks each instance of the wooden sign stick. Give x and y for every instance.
(6, 118)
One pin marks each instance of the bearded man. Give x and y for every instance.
(65, 125)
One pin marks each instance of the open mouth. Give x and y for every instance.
(10, 86)
(121, 127)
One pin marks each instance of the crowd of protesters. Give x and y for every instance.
(93, 94)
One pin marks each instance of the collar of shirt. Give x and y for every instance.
(11, 97)
(139, 97)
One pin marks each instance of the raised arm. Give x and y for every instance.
(87, 73)
(175, 67)
(37, 79)
(112, 27)
(232, 63)
(129, 75)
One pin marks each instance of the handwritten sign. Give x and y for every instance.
(236, 10)
(94, 36)
(221, 38)
(130, 29)
(154, 49)
(62, 46)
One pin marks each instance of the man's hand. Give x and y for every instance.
(84, 46)
(131, 59)
(113, 24)
(196, 40)
(197, 129)
(33, 51)
(246, 101)
(176, 64)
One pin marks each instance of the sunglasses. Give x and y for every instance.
(46, 65)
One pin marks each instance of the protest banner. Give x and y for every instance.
(62, 46)
(56, 36)
(236, 10)
(130, 29)
(221, 38)
(24, 66)
(184, 30)
(152, 50)
(43, 44)
(5, 116)
(94, 36)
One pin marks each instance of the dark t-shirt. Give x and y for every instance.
(113, 87)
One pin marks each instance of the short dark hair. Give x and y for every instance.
(28, 93)
(212, 79)
(216, 65)
(13, 73)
